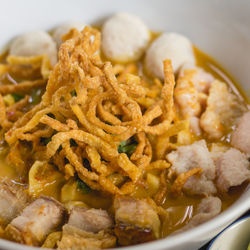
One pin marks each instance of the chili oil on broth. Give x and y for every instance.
(180, 208)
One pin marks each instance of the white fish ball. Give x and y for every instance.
(34, 43)
(63, 29)
(124, 37)
(171, 46)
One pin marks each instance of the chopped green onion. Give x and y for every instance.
(36, 96)
(82, 186)
(123, 143)
(73, 93)
(128, 147)
(17, 97)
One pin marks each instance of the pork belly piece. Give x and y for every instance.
(37, 220)
(222, 110)
(90, 220)
(74, 238)
(87, 229)
(233, 168)
(192, 156)
(12, 201)
(136, 221)
(207, 209)
(241, 136)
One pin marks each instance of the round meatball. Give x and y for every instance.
(171, 46)
(63, 29)
(124, 37)
(33, 44)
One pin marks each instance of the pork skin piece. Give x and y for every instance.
(192, 156)
(207, 209)
(12, 201)
(40, 218)
(74, 238)
(199, 185)
(136, 221)
(241, 136)
(90, 220)
(233, 168)
(217, 150)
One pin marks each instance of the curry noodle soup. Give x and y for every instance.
(115, 136)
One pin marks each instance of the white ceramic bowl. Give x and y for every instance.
(220, 28)
(236, 236)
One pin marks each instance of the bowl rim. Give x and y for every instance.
(222, 220)
(229, 227)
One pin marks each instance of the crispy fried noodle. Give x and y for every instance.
(96, 106)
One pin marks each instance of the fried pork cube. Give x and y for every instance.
(241, 136)
(173, 46)
(222, 109)
(136, 221)
(33, 44)
(124, 37)
(194, 123)
(192, 156)
(207, 209)
(87, 229)
(63, 29)
(199, 77)
(41, 217)
(187, 98)
(233, 168)
(12, 201)
(190, 93)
